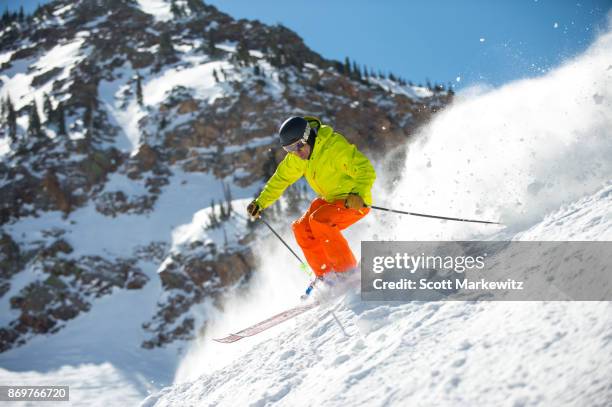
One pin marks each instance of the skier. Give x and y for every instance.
(341, 176)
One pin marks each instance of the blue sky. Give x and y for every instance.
(490, 41)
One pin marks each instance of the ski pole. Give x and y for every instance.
(303, 265)
(277, 235)
(432, 216)
(281, 239)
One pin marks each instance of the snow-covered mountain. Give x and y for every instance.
(132, 133)
(123, 251)
(535, 154)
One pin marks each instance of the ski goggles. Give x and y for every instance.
(298, 145)
(295, 147)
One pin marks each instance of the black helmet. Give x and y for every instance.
(293, 129)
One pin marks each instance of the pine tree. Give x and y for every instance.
(176, 10)
(356, 71)
(166, 50)
(242, 53)
(227, 194)
(34, 129)
(216, 76)
(222, 214)
(212, 216)
(211, 48)
(60, 119)
(11, 120)
(139, 90)
(6, 17)
(21, 15)
(339, 67)
(347, 66)
(47, 108)
(196, 6)
(88, 121)
(211, 41)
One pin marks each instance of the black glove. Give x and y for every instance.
(254, 210)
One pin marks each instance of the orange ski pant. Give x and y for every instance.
(318, 234)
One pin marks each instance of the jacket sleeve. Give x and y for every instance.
(356, 165)
(287, 172)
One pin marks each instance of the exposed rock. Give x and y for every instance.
(34, 298)
(58, 196)
(141, 59)
(66, 292)
(59, 246)
(194, 278)
(98, 164)
(146, 157)
(9, 256)
(46, 76)
(114, 203)
(173, 280)
(188, 106)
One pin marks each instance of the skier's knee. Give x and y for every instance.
(319, 222)
(299, 229)
(296, 226)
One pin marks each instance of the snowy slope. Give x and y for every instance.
(515, 154)
(534, 153)
(438, 353)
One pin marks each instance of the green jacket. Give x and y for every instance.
(334, 170)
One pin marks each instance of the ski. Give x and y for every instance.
(268, 323)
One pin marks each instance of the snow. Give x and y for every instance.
(196, 230)
(533, 154)
(199, 78)
(19, 281)
(5, 147)
(102, 368)
(160, 9)
(228, 46)
(514, 153)
(6, 56)
(16, 84)
(99, 367)
(62, 10)
(584, 220)
(126, 113)
(125, 117)
(61, 56)
(186, 194)
(417, 353)
(413, 92)
(106, 379)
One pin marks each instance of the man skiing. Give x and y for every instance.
(341, 176)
